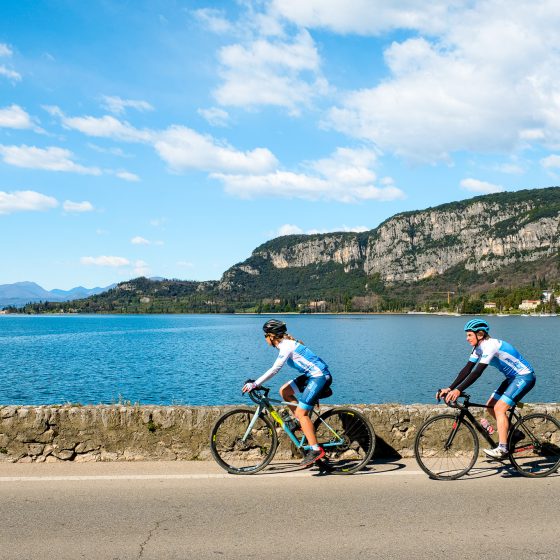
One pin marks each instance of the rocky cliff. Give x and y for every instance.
(482, 234)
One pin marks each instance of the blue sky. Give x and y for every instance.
(169, 138)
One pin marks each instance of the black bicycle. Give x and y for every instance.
(447, 445)
(244, 440)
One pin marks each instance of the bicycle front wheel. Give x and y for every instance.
(444, 449)
(239, 450)
(534, 445)
(347, 438)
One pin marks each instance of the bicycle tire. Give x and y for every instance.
(538, 453)
(434, 459)
(357, 433)
(243, 457)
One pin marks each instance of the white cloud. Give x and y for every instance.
(215, 116)
(298, 185)
(367, 17)
(141, 268)
(15, 117)
(288, 229)
(183, 148)
(105, 261)
(291, 229)
(214, 20)
(5, 50)
(510, 168)
(347, 176)
(158, 222)
(266, 72)
(101, 127)
(185, 264)
(10, 74)
(106, 127)
(118, 106)
(482, 187)
(77, 207)
(485, 81)
(25, 201)
(127, 176)
(180, 147)
(51, 159)
(113, 151)
(139, 241)
(354, 229)
(550, 161)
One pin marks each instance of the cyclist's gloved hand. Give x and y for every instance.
(248, 387)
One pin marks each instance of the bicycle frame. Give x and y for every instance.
(464, 411)
(265, 404)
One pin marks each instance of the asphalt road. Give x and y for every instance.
(196, 511)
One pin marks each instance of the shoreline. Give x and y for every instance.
(293, 313)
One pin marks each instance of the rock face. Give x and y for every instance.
(168, 433)
(482, 234)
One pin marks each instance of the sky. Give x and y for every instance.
(170, 138)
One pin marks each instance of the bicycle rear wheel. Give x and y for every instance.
(445, 450)
(236, 453)
(355, 437)
(538, 453)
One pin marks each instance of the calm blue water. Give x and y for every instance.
(204, 359)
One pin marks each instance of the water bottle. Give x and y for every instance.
(487, 426)
(291, 422)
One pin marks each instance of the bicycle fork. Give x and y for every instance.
(454, 429)
(252, 423)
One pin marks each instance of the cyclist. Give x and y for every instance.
(314, 381)
(520, 377)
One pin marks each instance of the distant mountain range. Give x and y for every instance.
(21, 293)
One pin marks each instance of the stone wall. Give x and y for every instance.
(138, 433)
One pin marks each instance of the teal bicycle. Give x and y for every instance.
(244, 440)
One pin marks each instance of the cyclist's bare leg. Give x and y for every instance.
(288, 395)
(306, 425)
(491, 402)
(500, 410)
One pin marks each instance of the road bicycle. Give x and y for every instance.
(244, 440)
(446, 446)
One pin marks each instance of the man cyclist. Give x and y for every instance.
(314, 381)
(519, 377)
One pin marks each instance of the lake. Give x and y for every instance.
(204, 359)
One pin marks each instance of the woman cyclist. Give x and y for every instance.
(520, 377)
(314, 381)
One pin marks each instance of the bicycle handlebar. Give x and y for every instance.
(454, 404)
(258, 393)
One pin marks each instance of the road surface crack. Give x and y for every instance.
(153, 531)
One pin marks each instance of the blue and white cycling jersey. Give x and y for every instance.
(503, 356)
(297, 356)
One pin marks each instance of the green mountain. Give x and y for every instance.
(502, 246)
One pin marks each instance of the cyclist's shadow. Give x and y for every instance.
(504, 469)
(321, 468)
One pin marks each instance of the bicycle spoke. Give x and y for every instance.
(239, 451)
(538, 453)
(347, 438)
(438, 456)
